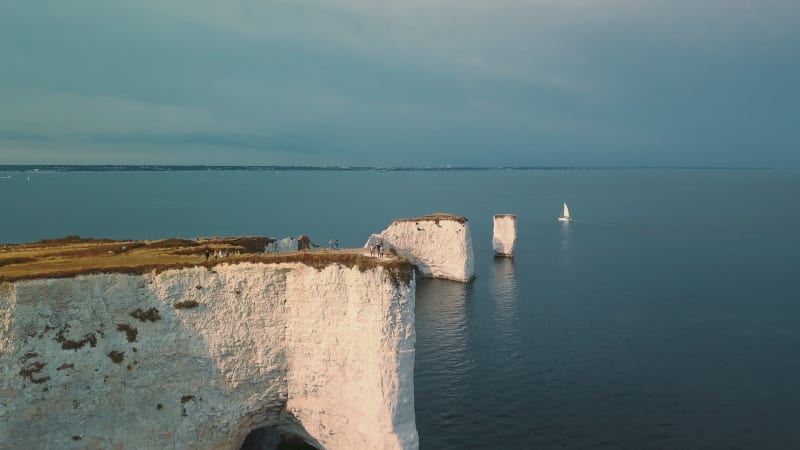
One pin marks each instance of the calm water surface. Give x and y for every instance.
(667, 317)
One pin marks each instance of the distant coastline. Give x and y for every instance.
(262, 168)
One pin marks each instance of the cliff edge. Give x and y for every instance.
(198, 357)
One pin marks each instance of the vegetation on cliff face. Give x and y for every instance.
(116, 356)
(186, 304)
(151, 315)
(29, 372)
(130, 332)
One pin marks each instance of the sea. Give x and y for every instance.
(666, 316)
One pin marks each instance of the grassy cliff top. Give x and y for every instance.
(498, 216)
(72, 256)
(435, 218)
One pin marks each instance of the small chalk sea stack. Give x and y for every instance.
(505, 234)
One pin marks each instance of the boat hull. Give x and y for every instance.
(564, 219)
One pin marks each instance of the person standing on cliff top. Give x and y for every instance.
(208, 253)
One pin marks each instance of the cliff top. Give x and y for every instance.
(498, 216)
(72, 256)
(435, 218)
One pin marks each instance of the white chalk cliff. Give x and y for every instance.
(439, 245)
(504, 235)
(197, 358)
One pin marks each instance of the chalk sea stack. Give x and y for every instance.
(504, 235)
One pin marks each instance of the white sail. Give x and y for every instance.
(565, 213)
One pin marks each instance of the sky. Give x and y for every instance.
(401, 83)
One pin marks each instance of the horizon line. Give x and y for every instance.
(268, 167)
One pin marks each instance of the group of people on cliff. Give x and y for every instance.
(376, 249)
(219, 254)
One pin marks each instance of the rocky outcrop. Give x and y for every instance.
(504, 235)
(198, 357)
(289, 245)
(285, 245)
(439, 245)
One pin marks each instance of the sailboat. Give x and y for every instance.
(565, 214)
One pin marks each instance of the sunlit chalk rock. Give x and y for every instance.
(504, 235)
(439, 245)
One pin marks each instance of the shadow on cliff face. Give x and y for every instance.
(269, 438)
(113, 351)
(195, 356)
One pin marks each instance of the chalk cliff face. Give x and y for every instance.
(439, 246)
(504, 235)
(197, 358)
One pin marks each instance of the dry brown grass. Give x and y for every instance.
(84, 248)
(173, 243)
(499, 216)
(248, 244)
(71, 239)
(68, 259)
(435, 218)
(98, 249)
(190, 251)
(15, 260)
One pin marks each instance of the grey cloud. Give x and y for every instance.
(218, 139)
(17, 135)
(310, 143)
(416, 82)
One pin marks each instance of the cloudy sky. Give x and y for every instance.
(433, 82)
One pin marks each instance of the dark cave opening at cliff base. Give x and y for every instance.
(268, 438)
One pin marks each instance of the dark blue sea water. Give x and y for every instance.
(666, 317)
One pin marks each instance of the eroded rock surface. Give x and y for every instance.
(439, 245)
(197, 358)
